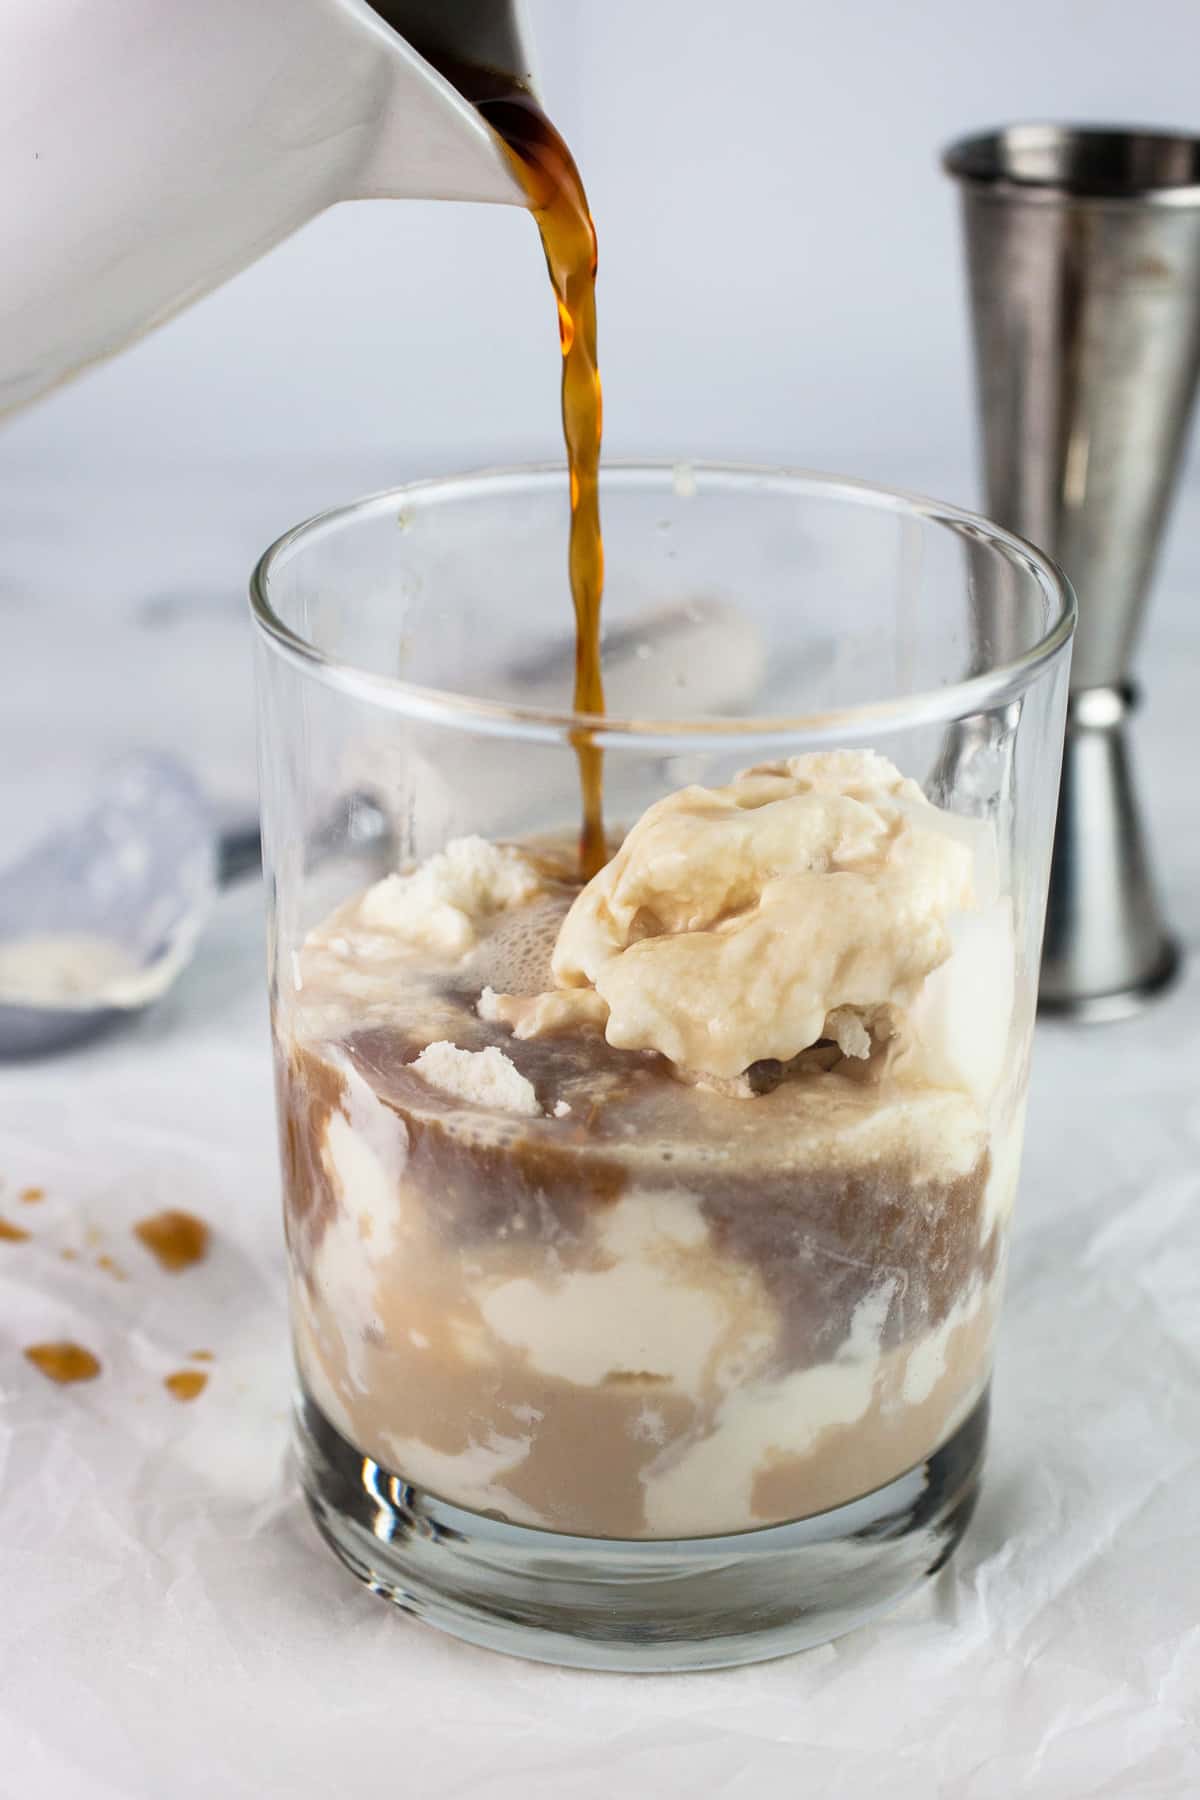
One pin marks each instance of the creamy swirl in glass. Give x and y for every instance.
(673, 1204)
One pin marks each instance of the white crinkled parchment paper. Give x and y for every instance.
(170, 1625)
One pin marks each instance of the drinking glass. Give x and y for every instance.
(642, 1375)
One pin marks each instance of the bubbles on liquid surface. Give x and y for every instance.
(514, 958)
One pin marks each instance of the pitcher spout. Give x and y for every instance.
(429, 141)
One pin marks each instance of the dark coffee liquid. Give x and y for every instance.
(547, 173)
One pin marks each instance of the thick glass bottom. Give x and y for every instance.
(646, 1604)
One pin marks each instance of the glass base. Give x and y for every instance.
(645, 1604)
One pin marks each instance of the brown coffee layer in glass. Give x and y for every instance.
(819, 1235)
(798, 1237)
(637, 1305)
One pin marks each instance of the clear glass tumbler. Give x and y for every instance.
(646, 1242)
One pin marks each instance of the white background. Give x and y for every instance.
(779, 259)
(780, 278)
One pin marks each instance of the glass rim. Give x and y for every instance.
(990, 688)
(990, 162)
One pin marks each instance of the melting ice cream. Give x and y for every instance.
(672, 1204)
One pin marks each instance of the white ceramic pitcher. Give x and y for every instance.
(153, 148)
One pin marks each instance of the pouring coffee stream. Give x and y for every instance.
(547, 172)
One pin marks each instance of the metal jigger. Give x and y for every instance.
(1083, 249)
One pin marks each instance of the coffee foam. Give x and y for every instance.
(514, 956)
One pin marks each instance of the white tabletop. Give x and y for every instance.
(169, 1624)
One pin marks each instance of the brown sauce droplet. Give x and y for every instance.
(185, 1384)
(31, 1195)
(112, 1268)
(201, 1356)
(11, 1234)
(177, 1239)
(63, 1362)
(69, 1255)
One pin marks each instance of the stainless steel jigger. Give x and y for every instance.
(1083, 252)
